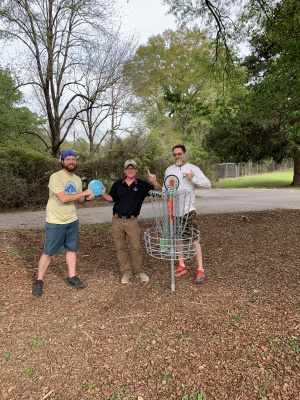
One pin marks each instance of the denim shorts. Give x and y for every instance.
(58, 236)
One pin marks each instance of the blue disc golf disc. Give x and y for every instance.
(96, 187)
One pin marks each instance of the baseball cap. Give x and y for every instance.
(130, 162)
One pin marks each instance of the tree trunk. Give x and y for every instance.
(92, 145)
(55, 143)
(296, 178)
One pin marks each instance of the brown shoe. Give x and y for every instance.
(143, 277)
(125, 278)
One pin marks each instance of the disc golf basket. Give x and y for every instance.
(167, 240)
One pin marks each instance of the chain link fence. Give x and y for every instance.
(232, 170)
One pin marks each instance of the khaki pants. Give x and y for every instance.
(122, 228)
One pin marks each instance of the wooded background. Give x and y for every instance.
(75, 81)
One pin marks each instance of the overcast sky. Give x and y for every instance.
(149, 17)
(145, 17)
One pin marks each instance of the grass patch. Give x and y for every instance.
(269, 180)
(19, 252)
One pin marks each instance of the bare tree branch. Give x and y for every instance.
(58, 35)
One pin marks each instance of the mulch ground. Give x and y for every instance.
(234, 337)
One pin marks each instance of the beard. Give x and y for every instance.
(70, 167)
(179, 163)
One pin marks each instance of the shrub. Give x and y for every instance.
(24, 177)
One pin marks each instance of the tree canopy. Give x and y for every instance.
(173, 78)
(265, 122)
(16, 121)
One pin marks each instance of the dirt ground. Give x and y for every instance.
(235, 337)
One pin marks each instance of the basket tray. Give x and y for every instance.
(166, 248)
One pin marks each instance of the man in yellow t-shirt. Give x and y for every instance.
(61, 228)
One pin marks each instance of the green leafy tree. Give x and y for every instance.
(173, 78)
(8, 98)
(17, 123)
(144, 147)
(266, 123)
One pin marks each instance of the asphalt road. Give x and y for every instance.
(212, 201)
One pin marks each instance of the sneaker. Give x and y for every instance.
(76, 282)
(37, 288)
(125, 278)
(143, 277)
(180, 270)
(200, 276)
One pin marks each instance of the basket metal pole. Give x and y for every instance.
(172, 276)
(171, 219)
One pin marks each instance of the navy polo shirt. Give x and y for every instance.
(128, 200)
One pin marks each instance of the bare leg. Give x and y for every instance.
(71, 261)
(180, 255)
(43, 265)
(199, 255)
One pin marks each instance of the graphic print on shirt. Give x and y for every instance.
(70, 188)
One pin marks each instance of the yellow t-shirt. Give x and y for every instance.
(56, 211)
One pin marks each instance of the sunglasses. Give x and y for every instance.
(177, 154)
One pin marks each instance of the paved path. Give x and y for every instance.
(212, 201)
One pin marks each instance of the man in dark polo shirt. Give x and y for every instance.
(128, 194)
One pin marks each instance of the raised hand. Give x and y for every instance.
(189, 175)
(151, 177)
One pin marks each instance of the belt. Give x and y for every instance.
(124, 216)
